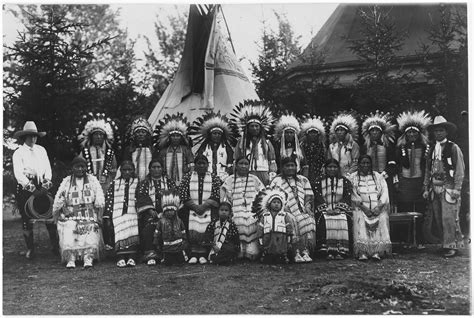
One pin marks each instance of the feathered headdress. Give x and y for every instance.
(313, 123)
(170, 200)
(97, 122)
(170, 124)
(380, 121)
(417, 120)
(203, 126)
(288, 122)
(346, 120)
(264, 197)
(139, 123)
(252, 112)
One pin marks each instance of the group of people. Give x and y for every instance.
(221, 190)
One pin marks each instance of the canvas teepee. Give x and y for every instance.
(209, 75)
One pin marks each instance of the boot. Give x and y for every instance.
(28, 235)
(53, 238)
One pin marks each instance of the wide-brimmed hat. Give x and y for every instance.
(440, 121)
(29, 129)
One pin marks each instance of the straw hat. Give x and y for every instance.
(440, 121)
(29, 129)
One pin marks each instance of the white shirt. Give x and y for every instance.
(31, 162)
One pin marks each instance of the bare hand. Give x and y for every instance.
(455, 194)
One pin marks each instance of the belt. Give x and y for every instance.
(173, 242)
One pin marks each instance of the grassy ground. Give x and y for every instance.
(408, 283)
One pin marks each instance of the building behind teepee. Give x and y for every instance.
(343, 66)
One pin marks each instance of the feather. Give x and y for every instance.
(348, 121)
(382, 121)
(310, 122)
(97, 122)
(203, 125)
(176, 123)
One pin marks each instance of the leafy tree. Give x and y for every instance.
(278, 50)
(445, 60)
(66, 62)
(380, 85)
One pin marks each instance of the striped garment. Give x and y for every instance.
(120, 207)
(299, 203)
(337, 233)
(141, 158)
(240, 192)
(223, 235)
(337, 229)
(332, 191)
(175, 169)
(198, 223)
(146, 189)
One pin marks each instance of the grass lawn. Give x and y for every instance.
(409, 283)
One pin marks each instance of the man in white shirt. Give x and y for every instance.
(32, 171)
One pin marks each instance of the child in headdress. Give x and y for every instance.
(223, 236)
(170, 233)
(275, 229)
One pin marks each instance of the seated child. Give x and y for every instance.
(120, 216)
(170, 233)
(223, 237)
(275, 230)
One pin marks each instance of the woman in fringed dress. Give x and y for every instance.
(371, 204)
(77, 209)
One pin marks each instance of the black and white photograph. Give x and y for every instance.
(245, 158)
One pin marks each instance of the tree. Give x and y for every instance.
(278, 50)
(65, 63)
(446, 62)
(163, 54)
(380, 85)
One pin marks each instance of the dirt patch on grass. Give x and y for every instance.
(408, 283)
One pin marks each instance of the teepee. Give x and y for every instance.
(209, 76)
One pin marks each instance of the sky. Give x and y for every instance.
(244, 21)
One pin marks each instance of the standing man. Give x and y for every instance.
(411, 153)
(215, 137)
(442, 186)
(139, 147)
(32, 171)
(255, 121)
(379, 145)
(342, 142)
(173, 146)
(97, 139)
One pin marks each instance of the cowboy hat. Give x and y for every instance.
(29, 129)
(440, 121)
